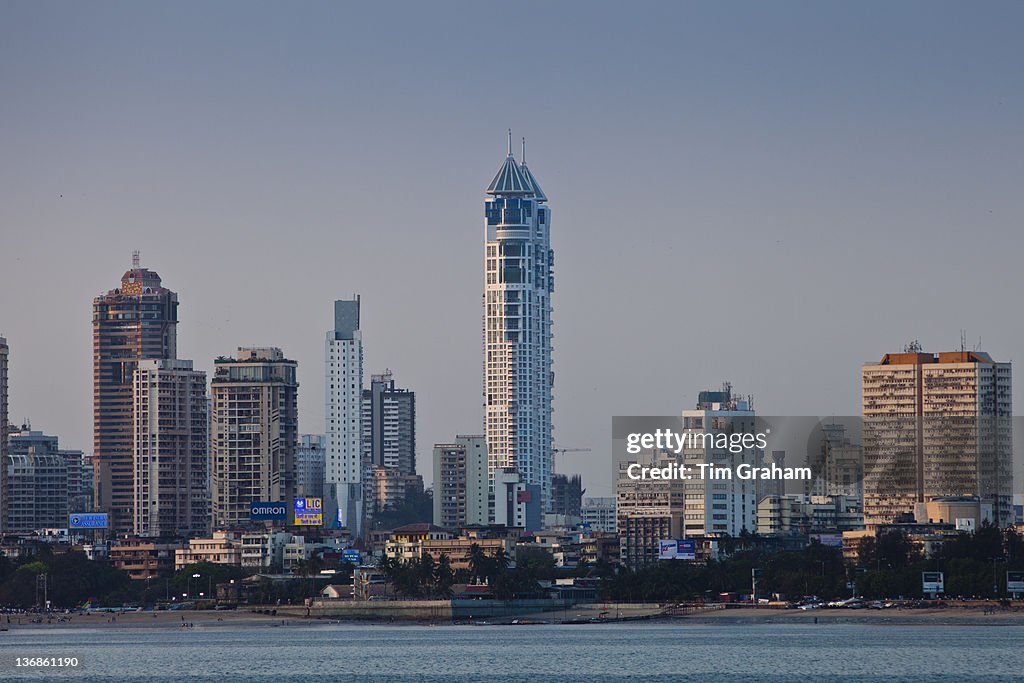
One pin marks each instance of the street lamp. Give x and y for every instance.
(194, 576)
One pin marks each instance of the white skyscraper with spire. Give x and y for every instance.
(519, 279)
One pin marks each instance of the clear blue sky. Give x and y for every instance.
(769, 193)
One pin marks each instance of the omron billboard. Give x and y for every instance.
(309, 512)
(265, 511)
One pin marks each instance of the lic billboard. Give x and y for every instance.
(351, 555)
(88, 520)
(265, 511)
(309, 512)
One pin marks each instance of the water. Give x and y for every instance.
(610, 652)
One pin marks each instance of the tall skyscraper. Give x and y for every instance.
(343, 383)
(461, 482)
(255, 431)
(4, 352)
(519, 279)
(935, 426)
(137, 321)
(171, 459)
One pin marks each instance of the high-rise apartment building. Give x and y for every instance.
(171, 458)
(461, 482)
(135, 322)
(37, 482)
(255, 430)
(4, 352)
(647, 510)
(935, 426)
(310, 463)
(837, 465)
(716, 506)
(343, 384)
(519, 280)
(389, 425)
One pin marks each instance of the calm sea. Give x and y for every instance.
(613, 652)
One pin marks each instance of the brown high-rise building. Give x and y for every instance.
(134, 322)
(936, 425)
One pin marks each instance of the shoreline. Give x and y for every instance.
(203, 619)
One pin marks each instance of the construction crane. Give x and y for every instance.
(556, 450)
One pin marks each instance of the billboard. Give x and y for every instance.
(351, 555)
(309, 512)
(829, 540)
(1015, 582)
(265, 511)
(932, 582)
(681, 549)
(88, 520)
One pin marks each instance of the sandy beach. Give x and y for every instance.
(206, 619)
(161, 619)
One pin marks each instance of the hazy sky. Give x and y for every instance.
(769, 193)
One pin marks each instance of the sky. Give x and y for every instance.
(766, 193)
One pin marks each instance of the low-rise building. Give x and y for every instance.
(143, 559)
(224, 548)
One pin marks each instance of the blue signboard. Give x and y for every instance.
(264, 511)
(88, 520)
(351, 555)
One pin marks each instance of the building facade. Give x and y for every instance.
(935, 426)
(598, 514)
(647, 511)
(461, 482)
(255, 431)
(37, 483)
(519, 280)
(310, 464)
(172, 464)
(343, 383)
(566, 495)
(719, 506)
(137, 321)
(389, 425)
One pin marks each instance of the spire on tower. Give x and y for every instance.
(136, 258)
(510, 142)
(522, 159)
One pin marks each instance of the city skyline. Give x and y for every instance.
(714, 162)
